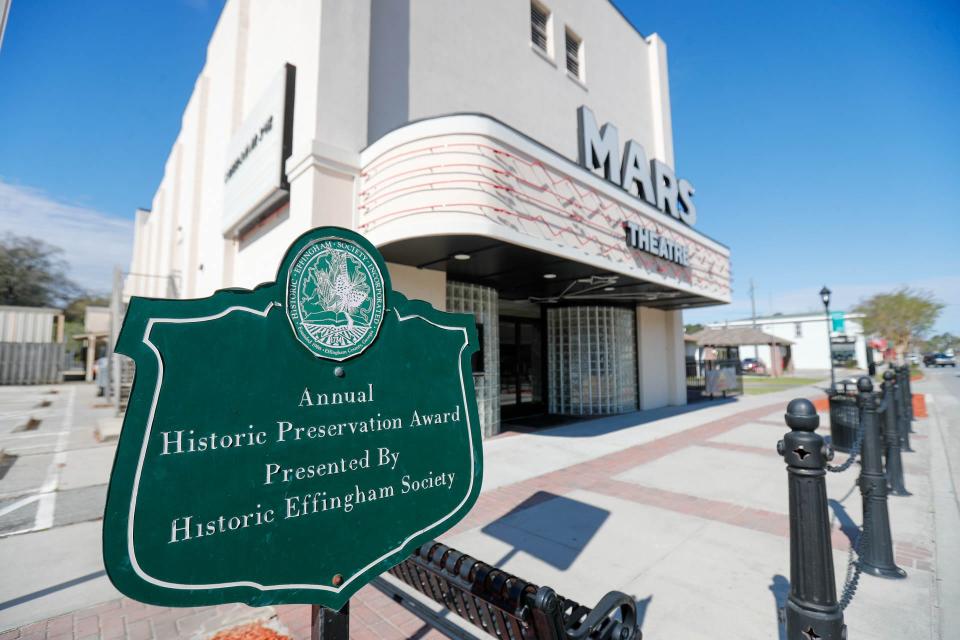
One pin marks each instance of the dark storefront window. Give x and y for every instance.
(521, 367)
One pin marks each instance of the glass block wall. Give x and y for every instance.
(482, 302)
(591, 360)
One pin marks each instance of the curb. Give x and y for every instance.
(108, 429)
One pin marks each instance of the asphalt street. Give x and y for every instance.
(943, 403)
(51, 473)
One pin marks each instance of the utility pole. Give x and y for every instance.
(753, 318)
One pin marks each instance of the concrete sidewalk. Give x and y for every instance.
(694, 521)
(683, 508)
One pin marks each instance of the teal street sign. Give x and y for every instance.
(837, 321)
(290, 443)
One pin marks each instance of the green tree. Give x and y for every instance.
(74, 314)
(33, 273)
(943, 342)
(903, 316)
(75, 310)
(690, 329)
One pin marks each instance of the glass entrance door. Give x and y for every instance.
(521, 367)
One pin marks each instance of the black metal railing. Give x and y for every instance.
(503, 605)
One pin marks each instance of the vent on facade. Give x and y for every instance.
(573, 44)
(538, 26)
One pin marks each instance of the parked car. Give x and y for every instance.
(753, 365)
(943, 360)
(928, 359)
(914, 358)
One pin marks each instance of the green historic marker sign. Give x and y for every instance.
(290, 443)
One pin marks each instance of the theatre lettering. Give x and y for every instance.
(655, 244)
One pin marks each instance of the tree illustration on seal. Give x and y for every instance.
(335, 293)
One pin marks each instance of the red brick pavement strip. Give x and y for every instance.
(496, 503)
(916, 469)
(908, 555)
(778, 524)
(596, 475)
(373, 616)
(376, 617)
(781, 424)
(742, 448)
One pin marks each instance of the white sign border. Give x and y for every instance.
(249, 583)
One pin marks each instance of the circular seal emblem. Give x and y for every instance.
(335, 298)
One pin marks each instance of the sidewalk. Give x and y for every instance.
(683, 508)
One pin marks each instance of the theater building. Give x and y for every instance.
(513, 160)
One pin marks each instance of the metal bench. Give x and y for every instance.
(502, 604)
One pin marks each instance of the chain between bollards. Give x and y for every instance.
(812, 609)
(876, 556)
(854, 569)
(852, 457)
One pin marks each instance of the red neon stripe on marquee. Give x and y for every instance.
(374, 198)
(561, 199)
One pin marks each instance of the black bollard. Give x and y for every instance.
(908, 395)
(894, 466)
(903, 417)
(812, 607)
(876, 546)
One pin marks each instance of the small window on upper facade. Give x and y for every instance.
(798, 330)
(574, 47)
(539, 34)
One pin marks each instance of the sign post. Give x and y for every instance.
(290, 443)
(327, 624)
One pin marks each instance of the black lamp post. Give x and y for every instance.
(825, 296)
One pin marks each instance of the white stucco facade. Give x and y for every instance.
(436, 129)
(808, 334)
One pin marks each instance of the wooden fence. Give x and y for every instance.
(31, 362)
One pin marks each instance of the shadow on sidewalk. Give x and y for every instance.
(551, 528)
(7, 460)
(642, 606)
(577, 427)
(849, 528)
(780, 588)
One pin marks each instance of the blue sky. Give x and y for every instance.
(823, 138)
